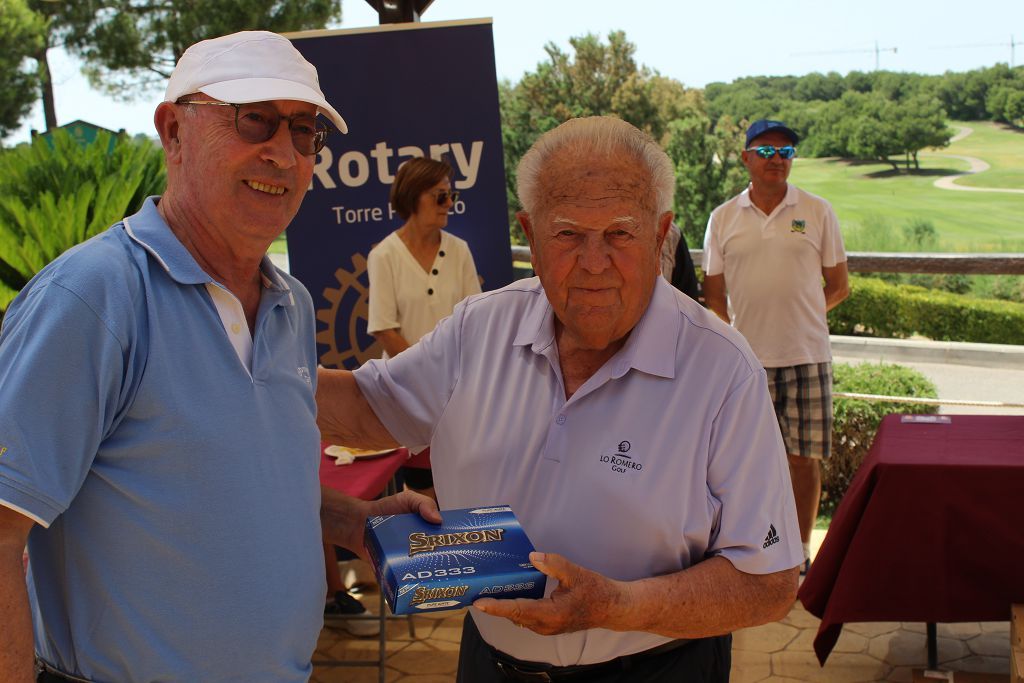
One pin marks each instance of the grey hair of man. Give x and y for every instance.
(590, 137)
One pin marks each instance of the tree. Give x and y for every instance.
(749, 99)
(874, 127)
(131, 46)
(596, 79)
(815, 86)
(708, 168)
(921, 122)
(21, 36)
(1006, 103)
(58, 18)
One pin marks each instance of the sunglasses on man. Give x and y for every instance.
(444, 195)
(768, 151)
(257, 122)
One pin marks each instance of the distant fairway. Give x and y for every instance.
(1000, 146)
(875, 205)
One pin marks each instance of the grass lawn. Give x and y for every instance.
(872, 202)
(1001, 146)
(278, 246)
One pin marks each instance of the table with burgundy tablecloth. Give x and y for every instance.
(930, 530)
(366, 477)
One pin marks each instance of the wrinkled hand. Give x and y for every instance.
(407, 501)
(343, 518)
(582, 600)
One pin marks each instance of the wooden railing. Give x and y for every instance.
(870, 262)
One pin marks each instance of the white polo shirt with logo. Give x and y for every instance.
(772, 267)
(669, 454)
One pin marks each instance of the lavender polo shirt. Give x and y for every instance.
(669, 454)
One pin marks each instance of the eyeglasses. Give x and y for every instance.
(257, 122)
(768, 151)
(443, 196)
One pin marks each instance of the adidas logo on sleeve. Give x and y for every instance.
(772, 538)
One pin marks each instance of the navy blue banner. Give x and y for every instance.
(405, 90)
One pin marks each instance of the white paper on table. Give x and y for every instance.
(341, 455)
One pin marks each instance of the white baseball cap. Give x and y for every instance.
(249, 66)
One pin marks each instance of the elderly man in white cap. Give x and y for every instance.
(158, 442)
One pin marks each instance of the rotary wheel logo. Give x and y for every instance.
(349, 303)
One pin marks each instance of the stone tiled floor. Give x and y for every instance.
(774, 653)
(432, 657)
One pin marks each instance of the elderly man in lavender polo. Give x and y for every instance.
(158, 443)
(630, 430)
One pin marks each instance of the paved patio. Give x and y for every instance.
(775, 653)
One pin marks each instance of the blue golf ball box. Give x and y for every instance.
(473, 553)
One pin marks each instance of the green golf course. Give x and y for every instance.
(875, 205)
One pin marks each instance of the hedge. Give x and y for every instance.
(880, 309)
(856, 421)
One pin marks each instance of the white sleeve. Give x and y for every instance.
(748, 480)
(711, 261)
(833, 251)
(409, 392)
(383, 305)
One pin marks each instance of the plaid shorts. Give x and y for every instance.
(802, 396)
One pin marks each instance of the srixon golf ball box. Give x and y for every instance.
(473, 553)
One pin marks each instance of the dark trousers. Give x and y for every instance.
(45, 677)
(51, 677)
(706, 660)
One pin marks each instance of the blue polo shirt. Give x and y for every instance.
(175, 490)
(668, 454)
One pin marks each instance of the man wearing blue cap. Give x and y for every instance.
(158, 443)
(768, 250)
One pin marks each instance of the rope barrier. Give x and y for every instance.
(925, 401)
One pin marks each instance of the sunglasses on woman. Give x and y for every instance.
(257, 122)
(444, 195)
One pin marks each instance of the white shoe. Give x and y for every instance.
(351, 615)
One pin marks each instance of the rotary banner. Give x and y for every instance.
(405, 90)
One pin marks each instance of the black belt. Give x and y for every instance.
(518, 670)
(47, 674)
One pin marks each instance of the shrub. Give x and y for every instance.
(856, 421)
(880, 309)
(956, 283)
(53, 197)
(1009, 288)
(921, 234)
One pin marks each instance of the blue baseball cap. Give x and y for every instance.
(762, 126)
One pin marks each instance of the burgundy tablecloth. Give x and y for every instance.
(365, 478)
(931, 529)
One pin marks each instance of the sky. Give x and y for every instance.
(694, 42)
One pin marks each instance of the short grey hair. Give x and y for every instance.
(596, 136)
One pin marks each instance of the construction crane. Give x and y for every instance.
(877, 50)
(1013, 45)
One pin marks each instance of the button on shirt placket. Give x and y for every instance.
(434, 271)
(232, 317)
(558, 441)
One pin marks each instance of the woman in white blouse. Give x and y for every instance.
(419, 272)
